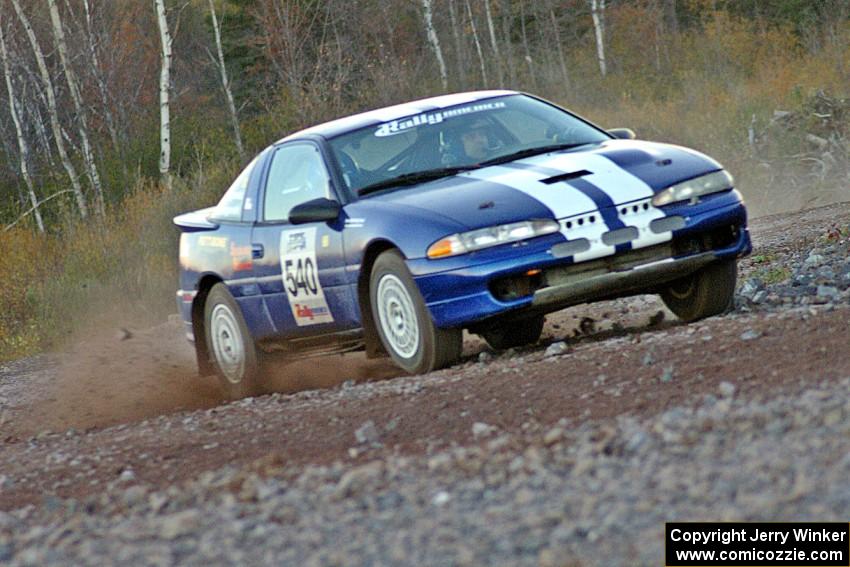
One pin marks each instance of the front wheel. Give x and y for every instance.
(403, 321)
(709, 291)
(233, 352)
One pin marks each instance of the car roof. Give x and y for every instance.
(380, 115)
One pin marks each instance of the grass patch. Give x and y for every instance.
(772, 275)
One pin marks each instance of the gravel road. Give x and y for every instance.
(571, 452)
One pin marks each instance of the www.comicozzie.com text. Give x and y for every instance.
(743, 534)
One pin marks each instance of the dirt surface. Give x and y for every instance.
(126, 405)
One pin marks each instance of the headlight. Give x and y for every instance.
(491, 236)
(696, 187)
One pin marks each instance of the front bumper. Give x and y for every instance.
(526, 277)
(621, 282)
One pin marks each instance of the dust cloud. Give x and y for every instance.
(112, 374)
(775, 199)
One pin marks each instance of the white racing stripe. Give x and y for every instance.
(570, 204)
(620, 185)
(566, 204)
(562, 201)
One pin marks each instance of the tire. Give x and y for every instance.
(514, 333)
(403, 321)
(709, 291)
(232, 350)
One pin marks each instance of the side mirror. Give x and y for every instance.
(316, 210)
(623, 133)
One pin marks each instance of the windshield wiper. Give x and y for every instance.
(413, 178)
(528, 152)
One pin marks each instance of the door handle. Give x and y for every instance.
(257, 251)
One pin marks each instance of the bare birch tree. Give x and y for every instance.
(164, 92)
(494, 43)
(477, 43)
(460, 59)
(528, 59)
(32, 108)
(50, 94)
(671, 18)
(79, 108)
(435, 42)
(562, 60)
(506, 21)
(597, 12)
(23, 146)
(225, 83)
(99, 79)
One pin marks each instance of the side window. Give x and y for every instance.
(297, 175)
(229, 208)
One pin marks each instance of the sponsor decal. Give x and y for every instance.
(300, 273)
(306, 312)
(240, 257)
(354, 223)
(432, 117)
(296, 241)
(213, 241)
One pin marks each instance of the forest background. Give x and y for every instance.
(88, 189)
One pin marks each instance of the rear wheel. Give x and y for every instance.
(514, 333)
(709, 291)
(233, 352)
(404, 324)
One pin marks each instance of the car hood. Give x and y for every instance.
(557, 184)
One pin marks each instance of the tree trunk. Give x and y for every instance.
(477, 44)
(671, 18)
(495, 44)
(546, 53)
(53, 111)
(13, 169)
(505, 21)
(76, 97)
(597, 11)
(557, 30)
(164, 91)
(225, 84)
(101, 83)
(528, 58)
(435, 42)
(23, 147)
(459, 51)
(32, 108)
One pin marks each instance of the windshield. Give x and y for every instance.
(454, 139)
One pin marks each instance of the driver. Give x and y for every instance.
(472, 144)
(476, 140)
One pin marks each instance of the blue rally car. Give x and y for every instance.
(395, 229)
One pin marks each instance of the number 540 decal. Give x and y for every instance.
(300, 275)
(299, 269)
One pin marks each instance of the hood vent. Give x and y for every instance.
(565, 176)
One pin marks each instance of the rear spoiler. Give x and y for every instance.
(196, 221)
